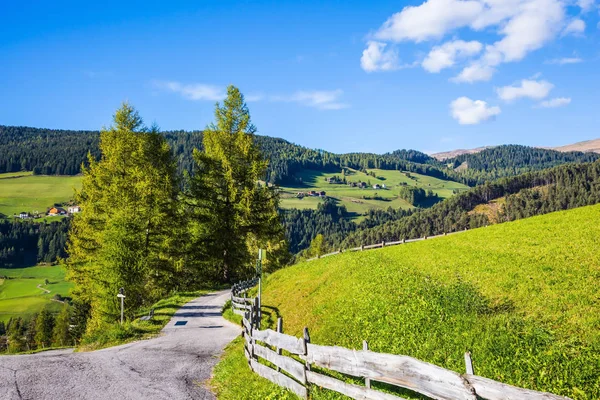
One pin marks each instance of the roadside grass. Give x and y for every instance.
(25, 192)
(353, 198)
(521, 296)
(117, 334)
(20, 296)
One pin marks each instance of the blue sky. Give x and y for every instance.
(338, 75)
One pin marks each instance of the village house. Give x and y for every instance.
(24, 215)
(362, 185)
(56, 211)
(322, 194)
(376, 187)
(74, 209)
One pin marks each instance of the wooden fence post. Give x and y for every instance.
(362, 247)
(257, 312)
(403, 240)
(279, 330)
(383, 244)
(306, 341)
(365, 348)
(469, 363)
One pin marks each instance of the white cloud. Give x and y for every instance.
(193, 91)
(320, 99)
(575, 27)
(472, 112)
(376, 58)
(565, 60)
(586, 5)
(557, 102)
(431, 20)
(445, 56)
(475, 72)
(524, 26)
(254, 97)
(528, 88)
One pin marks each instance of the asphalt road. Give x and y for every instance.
(175, 365)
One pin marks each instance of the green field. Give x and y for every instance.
(522, 297)
(353, 198)
(25, 192)
(19, 294)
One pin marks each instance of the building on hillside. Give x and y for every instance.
(322, 194)
(24, 215)
(312, 193)
(376, 187)
(74, 209)
(56, 211)
(352, 184)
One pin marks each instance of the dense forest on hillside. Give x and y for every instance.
(27, 243)
(61, 152)
(511, 160)
(533, 193)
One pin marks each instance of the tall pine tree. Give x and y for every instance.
(126, 232)
(232, 214)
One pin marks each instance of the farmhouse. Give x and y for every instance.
(322, 194)
(376, 186)
(24, 215)
(74, 209)
(362, 185)
(56, 211)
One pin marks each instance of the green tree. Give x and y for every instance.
(43, 328)
(16, 335)
(60, 333)
(318, 247)
(231, 213)
(30, 334)
(127, 232)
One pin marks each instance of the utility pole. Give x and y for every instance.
(121, 295)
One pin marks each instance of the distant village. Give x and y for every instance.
(339, 181)
(51, 212)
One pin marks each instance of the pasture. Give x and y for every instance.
(521, 296)
(23, 191)
(19, 292)
(358, 201)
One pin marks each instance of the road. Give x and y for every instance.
(175, 365)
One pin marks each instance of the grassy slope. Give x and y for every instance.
(21, 296)
(313, 180)
(522, 296)
(34, 193)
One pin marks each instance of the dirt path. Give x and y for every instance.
(175, 365)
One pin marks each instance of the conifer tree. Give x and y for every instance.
(126, 232)
(43, 328)
(232, 214)
(60, 334)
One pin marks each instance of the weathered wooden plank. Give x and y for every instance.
(278, 378)
(469, 363)
(373, 246)
(393, 243)
(238, 312)
(403, 371)
(281, 340)
(241, 306)
(288, 364)
(242, 300)
(247, 325)
(492, 390)
(353, 391)
(247, 354)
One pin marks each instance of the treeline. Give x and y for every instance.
(534, 193)
(511, 160)
(62, 152)
(25, 243)
(43, 330)
(418, 196)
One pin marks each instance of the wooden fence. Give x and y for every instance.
(291, 361)
(383, 244)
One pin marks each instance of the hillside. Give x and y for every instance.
(444, 155)
(521, 296)
(587, 146)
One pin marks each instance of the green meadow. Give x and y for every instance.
(20, 294)
(521, 296)
(356, 199)
(23, 191)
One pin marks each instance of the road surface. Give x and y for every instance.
(175, 365)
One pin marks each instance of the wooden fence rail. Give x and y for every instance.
(382, 244)
(293, 370)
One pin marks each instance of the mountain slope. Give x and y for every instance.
(587, 146)
(521, 296)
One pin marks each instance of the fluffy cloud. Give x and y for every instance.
(565, 60)
(557, 102)
(320, 99)
(194, 91)
(524, 26)
(575, 27)
(376, 58)
(431, 20)
(445, 56)
(528, 88)
(472, 112)
(586, 5)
